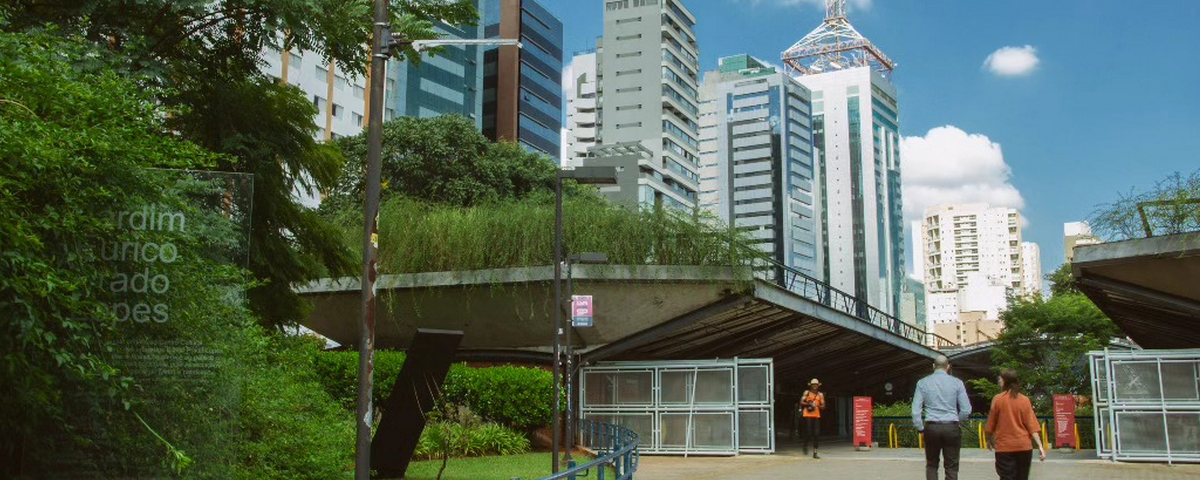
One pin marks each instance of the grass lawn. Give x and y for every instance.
(527, 466)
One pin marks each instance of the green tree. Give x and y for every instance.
(1062, 281)
(1045, 341)
(1172, 206)
(206, 57)
(75, 144)
(444, 160)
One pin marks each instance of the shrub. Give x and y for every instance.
(469, 440)
(290, 428)
(901, 408)
(516, 397)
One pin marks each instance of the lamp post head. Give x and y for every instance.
(593, 175)
(593, 258)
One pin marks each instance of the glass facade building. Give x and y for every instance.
(756, 159)
(448, 82)
(857, 150)
(522, 89)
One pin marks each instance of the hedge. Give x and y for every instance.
(517, 397)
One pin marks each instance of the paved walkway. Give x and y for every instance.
(843, 462)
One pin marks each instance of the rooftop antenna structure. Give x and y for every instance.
(835, 45)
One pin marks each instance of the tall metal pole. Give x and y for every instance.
(569, 365)
(554, 424)
(366, 340)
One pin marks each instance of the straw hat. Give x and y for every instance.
(814, 382)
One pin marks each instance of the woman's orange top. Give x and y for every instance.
(1012, 423)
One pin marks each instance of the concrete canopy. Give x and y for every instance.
(1150, 287)
(641, 313)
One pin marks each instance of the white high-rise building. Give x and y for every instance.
(1077, 234)
(757, 160)
(647, 66)
(341, 99)
(856, 136)
(973, 258)
(1031, 268)
(582, 88)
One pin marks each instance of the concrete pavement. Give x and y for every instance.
(843, 462)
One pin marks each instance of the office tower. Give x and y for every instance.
(582, 87)
(447, 82)
(857, 141)
(912, 303)
(972, 262)
(757, 158)
(522, 88)
(1031, 268)
(647, 67)
(1077, 234)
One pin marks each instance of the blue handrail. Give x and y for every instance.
(615, 446)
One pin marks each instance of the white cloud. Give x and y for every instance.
(854, 4)
(1012, 61)
(948, 165)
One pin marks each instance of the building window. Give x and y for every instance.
(629, 37)
(359, 92)
(295, 62)
(337, 110)
(629, 72)
(358, 119)
(322, 72)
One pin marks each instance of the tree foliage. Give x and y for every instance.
(1172, 206)
(75, 144)
(1045, 341)
(444, 160)
(206, 55)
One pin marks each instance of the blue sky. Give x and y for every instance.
(1112, 104)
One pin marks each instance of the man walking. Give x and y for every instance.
(944, 402)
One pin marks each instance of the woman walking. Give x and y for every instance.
(1011, 425)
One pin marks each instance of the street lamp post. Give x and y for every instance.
(588, 258)
(592, 175)
(381, 44)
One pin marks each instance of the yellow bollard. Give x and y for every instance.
(921, 440)
(1077, 444)
(1045, 438)
(892, 436)
(982, 438)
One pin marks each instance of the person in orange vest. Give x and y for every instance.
(812, 402)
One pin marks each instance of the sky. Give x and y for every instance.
(1050, 107)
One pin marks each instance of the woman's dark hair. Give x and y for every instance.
(1012, 384)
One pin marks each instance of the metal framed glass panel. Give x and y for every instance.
(714, 407)
(1147, 404)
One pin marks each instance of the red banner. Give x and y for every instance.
(862, 421)
(1064, 421)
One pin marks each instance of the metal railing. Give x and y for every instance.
(899, 432)
(616, 450)
(805, 286)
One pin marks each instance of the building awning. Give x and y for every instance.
(1150, 287)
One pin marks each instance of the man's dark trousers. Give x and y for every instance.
(942, 440)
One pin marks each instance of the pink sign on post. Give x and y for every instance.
(581, 310)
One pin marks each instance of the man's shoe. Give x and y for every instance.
(815, 456)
